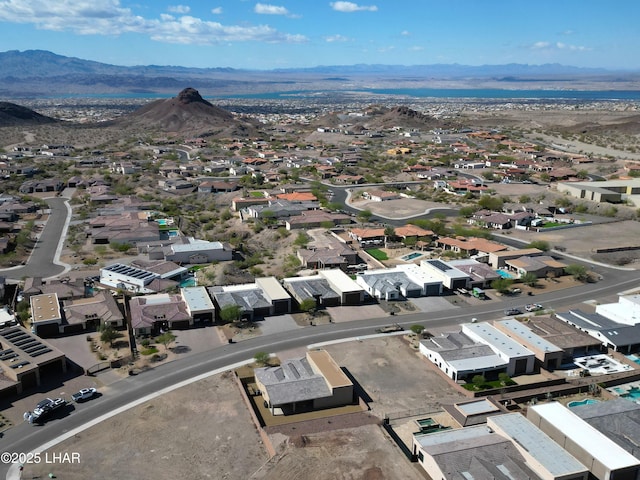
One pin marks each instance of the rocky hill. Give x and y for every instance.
(12, 115)
(186, 113)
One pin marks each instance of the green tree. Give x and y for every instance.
(108, 334)
(308, 305)
(365, 215)
(389, 232)
(417, 329)
(479, 381)
(579, 272)
(230, 313)
(504, 378)
(540, 245)
(262, 358)
(166, 339)
(302, 240)
(530, 279)
(502, 285)
(491, 203)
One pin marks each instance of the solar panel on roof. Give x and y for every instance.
(41, 352)
(440, 265)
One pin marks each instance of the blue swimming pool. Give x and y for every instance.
(634, 358)
(504, 273)
(188, 282)
(411, 256)
(588, 401)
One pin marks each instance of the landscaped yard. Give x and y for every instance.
(377, 254)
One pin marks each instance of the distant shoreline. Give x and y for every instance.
(417, 93)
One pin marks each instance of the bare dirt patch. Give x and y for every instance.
(199, 431)
(363, 452)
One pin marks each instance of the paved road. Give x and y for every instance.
(27, 438)
(43, 261)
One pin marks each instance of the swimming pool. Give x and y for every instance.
(188, 282)
(411, 256)
(504, 273)
(634, 358)
(588, 401)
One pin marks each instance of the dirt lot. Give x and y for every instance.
(164, 435)
(365, 453)
(175, 436)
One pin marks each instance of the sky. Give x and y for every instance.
(306, 33)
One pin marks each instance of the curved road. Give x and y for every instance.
(43, 261)
(120, 395)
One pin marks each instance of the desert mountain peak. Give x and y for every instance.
(191, 95)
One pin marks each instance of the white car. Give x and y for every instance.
(533, 307)
(84, 394)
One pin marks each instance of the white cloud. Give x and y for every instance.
(336, 38)
(558, 46)
(181, 9)
(108, 17)
(416, 48)
(540, 45)
(266, 9)
(405, 33)
(352, 7)
(217, 11)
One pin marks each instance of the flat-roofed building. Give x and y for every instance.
(350, 292)
(276, 294)
(547, 354)
(548, 459)
(199, 304)
(605, 459)
(499, 259)
(520, 360)
(451, 277)
(573, 342)
(46, 315)
(195, 251)
(618, 419)
(312, 382)
(626, 310)
(25, 359)
(480, 274)
(508, 447)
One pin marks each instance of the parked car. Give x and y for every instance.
(513, 311)
(84, 394)
(44, 409)
(533, 307)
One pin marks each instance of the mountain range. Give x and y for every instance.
(35, 73)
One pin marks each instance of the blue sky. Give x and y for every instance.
(306, 33)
